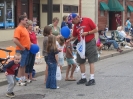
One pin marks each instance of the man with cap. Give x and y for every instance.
(89, 28)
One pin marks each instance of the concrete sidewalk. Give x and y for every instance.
(41, 67)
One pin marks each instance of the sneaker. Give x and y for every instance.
(82, 81)
(21, 84)
(90, 82)
(28, 81)
(57, 87)
(10, 95)
(13, 93)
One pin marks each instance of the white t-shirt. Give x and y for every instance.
(123, 34)
(60, 54)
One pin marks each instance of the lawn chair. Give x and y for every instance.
(13, 49)
(3, 57)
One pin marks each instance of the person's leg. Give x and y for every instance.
(10, 79)
(67, 72)
(53, 84)
(72, 71)
(46, 73)
(48, 76)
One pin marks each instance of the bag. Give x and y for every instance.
(58, 73)
(81, 47)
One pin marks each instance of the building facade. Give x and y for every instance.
(108, 16)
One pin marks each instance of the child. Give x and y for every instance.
(52, 61)
(60, 44)
(11, 72)
(46, 32)
(70, 61)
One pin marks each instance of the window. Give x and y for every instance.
(6, 14)
(56, 8)
(102, 13)
(70, 9)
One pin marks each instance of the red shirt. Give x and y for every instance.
(89, 25)
(33, 38)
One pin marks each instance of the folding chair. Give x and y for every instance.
(13, 49)
(3, 57)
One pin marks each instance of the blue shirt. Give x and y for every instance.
(63, 24)
(128, 24)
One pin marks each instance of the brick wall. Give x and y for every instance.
(30, 15)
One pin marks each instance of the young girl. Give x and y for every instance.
(46, 32)
(70, 61)
(60, 45)
(52, 61)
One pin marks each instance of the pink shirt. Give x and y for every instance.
(33, 37)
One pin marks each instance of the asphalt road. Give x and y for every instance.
(114, 80)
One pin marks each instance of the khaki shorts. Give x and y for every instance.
(90, 53)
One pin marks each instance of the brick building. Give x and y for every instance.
(108, 17)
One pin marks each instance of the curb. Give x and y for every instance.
(101, 58)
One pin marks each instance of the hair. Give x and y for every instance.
(119, 28)
(61, 40)
(22, 17)
(128, 18)
(17, 54)
(51, 44)
(55, 19)
(100, 32)
(47, 30)
(64, 17)
(25, 14)
(29, 22)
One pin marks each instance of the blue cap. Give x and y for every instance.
(74, 15)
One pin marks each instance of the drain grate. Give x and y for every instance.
(80, 94)
(29, 96)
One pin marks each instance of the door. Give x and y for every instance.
(25, 7)
(36, 13)
(112, 20)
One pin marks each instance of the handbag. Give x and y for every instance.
(58, 73)
(81, 47)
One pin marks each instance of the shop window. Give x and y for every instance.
(70, 9)
(56, 8)
(102, 13)
(6, 14)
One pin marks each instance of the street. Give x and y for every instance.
(114, 80)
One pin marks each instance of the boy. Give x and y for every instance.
(11, 71)
(70, 61)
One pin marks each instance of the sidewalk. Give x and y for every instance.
(41, 67)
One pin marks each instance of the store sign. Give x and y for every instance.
(1, 4)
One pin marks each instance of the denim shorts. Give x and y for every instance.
(126, 29)
(61, 61)
(70, 61)
(24, 57)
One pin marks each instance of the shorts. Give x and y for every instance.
(126, 29)
(70, 61)
(90, 53)
(61, 61)
(24, 57)
(127, 40)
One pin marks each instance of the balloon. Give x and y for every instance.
(34, 48)
(65, 32)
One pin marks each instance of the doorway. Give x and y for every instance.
(112, 20)
(25, 7)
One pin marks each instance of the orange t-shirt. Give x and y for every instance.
(22, 35)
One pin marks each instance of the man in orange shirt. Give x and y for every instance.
(22, 41)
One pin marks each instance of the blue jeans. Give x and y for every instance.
(114, 43)
(51, 79)
(30, 63)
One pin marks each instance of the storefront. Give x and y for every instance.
(6, 14)
(108, 10)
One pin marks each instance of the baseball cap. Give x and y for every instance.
(71, 16)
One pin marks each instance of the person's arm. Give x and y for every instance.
(10, 64)
(16, 41)
(71, 39)
(56, 57)
(90, 32)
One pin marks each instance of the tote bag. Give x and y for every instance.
(81, 47)
(58, 73)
